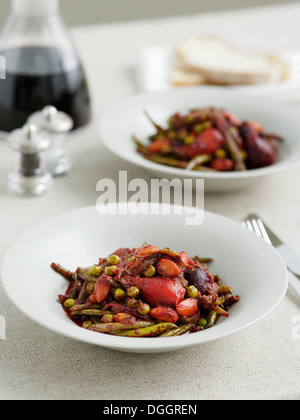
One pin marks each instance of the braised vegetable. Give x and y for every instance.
(210, 139)
(146, 292)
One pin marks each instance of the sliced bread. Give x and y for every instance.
(216, 61)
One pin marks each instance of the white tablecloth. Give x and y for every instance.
(261, 362)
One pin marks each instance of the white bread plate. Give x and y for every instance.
(219, 62)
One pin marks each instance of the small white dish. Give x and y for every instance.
(246, 262)
(126, 119)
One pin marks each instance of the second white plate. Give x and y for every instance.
(126, 119)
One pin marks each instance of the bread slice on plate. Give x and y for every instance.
(184, 76)
(211, 60)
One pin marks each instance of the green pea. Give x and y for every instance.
(119, 294)
(224, 290)
(211, 319)
(113, 260)
(192, 291)
(96, 271)
(69, 303)
(188, 140)
(107, 318)
(150, 272)
(133, 291)
(110, 271)
(143, 308)
(132, 302)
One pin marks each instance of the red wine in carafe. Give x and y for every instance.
(36, 77)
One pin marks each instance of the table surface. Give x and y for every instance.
(261, 362)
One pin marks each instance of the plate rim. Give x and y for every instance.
(143, 345)
(139, 161)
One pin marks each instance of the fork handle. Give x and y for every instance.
(294, 283)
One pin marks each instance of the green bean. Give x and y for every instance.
(168, 161)
(203, 260)
(198, 160)
(220, 311)
(158, 127)
(90, 312)
(90, 288)
(83, 292)
(144, 149)
(85, 275)
(118, 327)
(225, 290)
(220, 300)
(85, 306)
(190, 319)
(63, 271)
(211, 319)
(150, 331)
(177, 331)
(234, 150)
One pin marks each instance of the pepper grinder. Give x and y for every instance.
(30, 177)
(57, 124)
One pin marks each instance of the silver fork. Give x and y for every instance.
(255, 224)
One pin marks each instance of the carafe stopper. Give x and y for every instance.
(30, 177)
(57, 124)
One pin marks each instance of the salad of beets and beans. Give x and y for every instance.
(210, 139)
(146, 292)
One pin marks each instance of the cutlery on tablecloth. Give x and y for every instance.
(256, 224)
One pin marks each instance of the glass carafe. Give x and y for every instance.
(42, 66)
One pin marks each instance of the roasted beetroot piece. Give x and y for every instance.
(222, 165)
(160, 146)
(147, 250)
(203, 280)
(150, 258)
(167, 268)
(206, 143)
(165, 314)
(102, 288)
(260, 152)
(187, 307)
(129, 301)
(186, 260)
(122, 252)
(124, 318)
(158, 291)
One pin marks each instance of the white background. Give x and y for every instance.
(81, 12)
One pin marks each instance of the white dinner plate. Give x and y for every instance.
(246, 262)
(126, 119)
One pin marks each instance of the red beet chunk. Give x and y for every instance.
(158, 291)
(207, 143)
